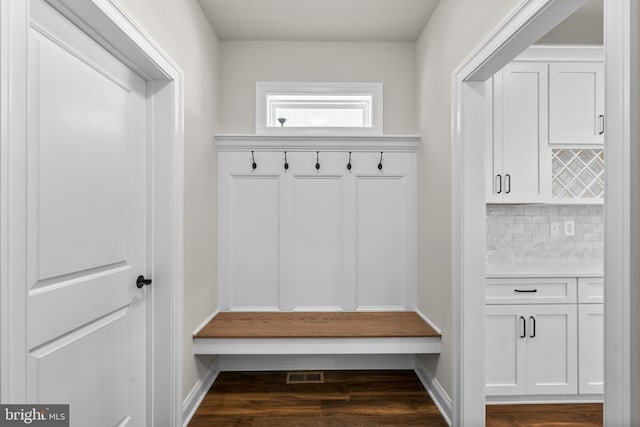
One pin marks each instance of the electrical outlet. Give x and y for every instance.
(569, 228)
(555, 228)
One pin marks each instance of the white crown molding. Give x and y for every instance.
(392, 143)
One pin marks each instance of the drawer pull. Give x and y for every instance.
(525, 291)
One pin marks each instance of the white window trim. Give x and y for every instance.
(264, 88)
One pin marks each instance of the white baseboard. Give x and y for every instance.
(315, 362)
(199, 391)
(205, 322)
(435, 390)
(429, 322)
(542, 399)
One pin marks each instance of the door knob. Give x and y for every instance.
(141, 281)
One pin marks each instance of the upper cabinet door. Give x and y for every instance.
(576, 103)
(520, 131)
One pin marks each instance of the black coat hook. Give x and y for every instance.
(380, 163)
(254, 165)
(349, 164)
(317, 160)
(286, 164)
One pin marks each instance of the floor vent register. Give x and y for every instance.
(305, 377)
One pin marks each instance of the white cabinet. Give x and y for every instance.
(552, 349)
(519, 143)
(531, 349)
(548, 127)
(591, 335)
(544, 336)
(591, 290)
(591, 340)
(306, 238)
(576, 103)
(505, 350)
(529, 290)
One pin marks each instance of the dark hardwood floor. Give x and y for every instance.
(578, 415)
(357, 398)
(347, 398)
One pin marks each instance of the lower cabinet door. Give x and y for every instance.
(591, 348)
(505, 339)
(552, 349)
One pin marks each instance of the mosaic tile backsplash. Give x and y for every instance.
(533, 233)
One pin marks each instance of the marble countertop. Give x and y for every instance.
(546, 268)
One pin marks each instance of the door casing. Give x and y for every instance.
(470, 105)
(107, 23)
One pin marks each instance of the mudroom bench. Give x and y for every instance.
(317, 333)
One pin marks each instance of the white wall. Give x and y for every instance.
(181, 29)
(455, 29)
(585, 26)
(244, 63)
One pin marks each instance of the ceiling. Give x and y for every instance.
(318, 20)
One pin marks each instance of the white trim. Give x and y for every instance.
(392, 345)
(107, 23)
(428, 321)
(560, 53)
(14, 18)
(621, 214)
(544, 399)
(316, 362)
(205, 322)
(199, 391)
(514, 35)
(523, 26)
(373, 88)
(434, 388)
(392, 143)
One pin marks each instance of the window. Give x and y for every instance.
(319, 108)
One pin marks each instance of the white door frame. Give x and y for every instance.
(470, 117)
(107, 23)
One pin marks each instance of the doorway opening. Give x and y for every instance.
(530, 21)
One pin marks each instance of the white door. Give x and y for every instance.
(576, 103)
(86, 226)
(552, 360)
(591, 348)
(505, 332)
(520, 131)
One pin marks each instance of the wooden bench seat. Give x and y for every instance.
(317, 333)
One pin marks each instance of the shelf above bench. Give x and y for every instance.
(317, 333)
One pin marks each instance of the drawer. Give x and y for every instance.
(591, 290)
(531, 291)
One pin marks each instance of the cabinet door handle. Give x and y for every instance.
(508, 183)
(524, 327)
(533, 332)
(499, 180)
(525, 291)
(601, 120)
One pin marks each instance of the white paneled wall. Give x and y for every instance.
(310, 239)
